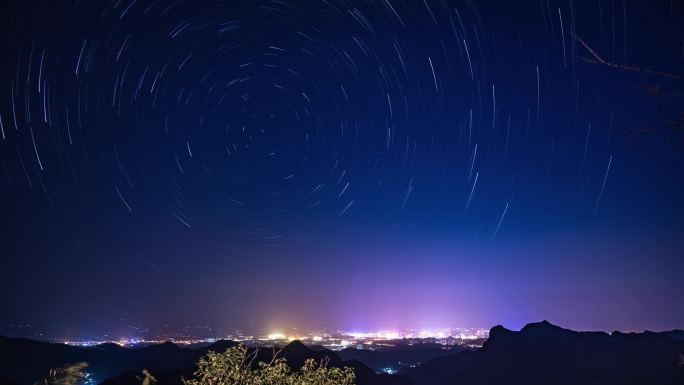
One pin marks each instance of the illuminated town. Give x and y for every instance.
(335, 340)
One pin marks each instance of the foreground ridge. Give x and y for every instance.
(543, 353)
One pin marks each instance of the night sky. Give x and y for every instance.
(339, 164)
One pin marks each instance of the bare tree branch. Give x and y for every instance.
(599, 60)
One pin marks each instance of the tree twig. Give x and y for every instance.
(599, 60)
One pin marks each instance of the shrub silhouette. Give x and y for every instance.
(236, 366)
(67, 375)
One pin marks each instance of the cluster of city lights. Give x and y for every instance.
(332, 340)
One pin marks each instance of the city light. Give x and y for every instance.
(334, 340)
(276, 336)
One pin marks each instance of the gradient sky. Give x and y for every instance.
(338, 164)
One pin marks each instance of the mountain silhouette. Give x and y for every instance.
(398, 356)
(24, 361)
(540, 353)
(543, 353)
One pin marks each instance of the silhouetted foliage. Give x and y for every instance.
(149, 378)
(67, 375)
(236, 366)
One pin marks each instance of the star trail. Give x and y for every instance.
(338, 163)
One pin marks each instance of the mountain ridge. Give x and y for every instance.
(25, 361)
(544, 353)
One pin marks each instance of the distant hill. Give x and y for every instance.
(542, 353)
(295, 353)
(399, 356)
(24, 361)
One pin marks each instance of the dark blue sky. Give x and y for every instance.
(351, 164)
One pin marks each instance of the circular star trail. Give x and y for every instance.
(265, 109)
(361, 143)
